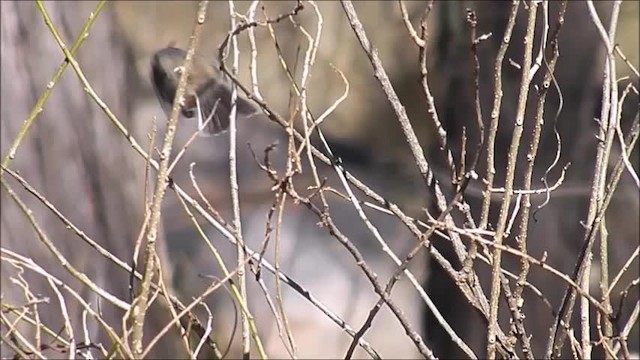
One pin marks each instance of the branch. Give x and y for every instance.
(141, 305)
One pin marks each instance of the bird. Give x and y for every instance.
(207, 93)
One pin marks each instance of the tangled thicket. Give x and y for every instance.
(525, 206)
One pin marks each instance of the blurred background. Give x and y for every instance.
(79, 161)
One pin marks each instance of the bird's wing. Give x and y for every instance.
(216, 96)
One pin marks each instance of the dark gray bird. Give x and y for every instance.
(208, 91)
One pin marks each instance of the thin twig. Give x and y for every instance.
(140, 309)
(598, 202)
(235, 198)
(412, 32)
(235, 291)
(39, 106)
(509, 179)
(416, 149)
(495, 114)
(42, 236)
(534, 143)
(119, 346)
